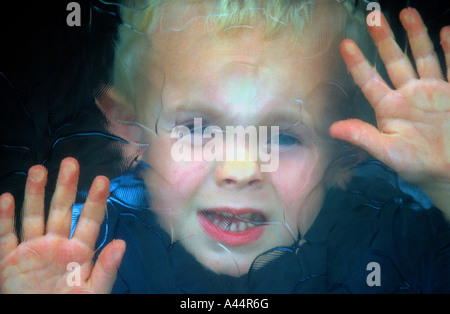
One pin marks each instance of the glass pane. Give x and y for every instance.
(249, 146)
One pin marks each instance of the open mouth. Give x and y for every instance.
(231, 226)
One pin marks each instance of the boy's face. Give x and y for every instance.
(229, 80)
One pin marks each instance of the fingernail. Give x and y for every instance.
(409, 17)
(100, 184)
(350, 47)
(117, 255)
(447, 34)
(37, 175)
(5, 202)
(355, 135)
(69, 168)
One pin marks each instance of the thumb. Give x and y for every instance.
(104, 273)
(362, 134)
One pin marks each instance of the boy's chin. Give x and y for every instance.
(231, 261)
(226, 263)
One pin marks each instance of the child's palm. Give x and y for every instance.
(40, 265)
(47, 261)
(416, 117)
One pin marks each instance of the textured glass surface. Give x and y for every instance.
(301, 213)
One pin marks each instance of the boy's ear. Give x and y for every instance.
(113, 105)
(119, 113)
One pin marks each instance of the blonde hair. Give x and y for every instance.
(140, 18)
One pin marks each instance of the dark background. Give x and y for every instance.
(49, 72)
(48, 75)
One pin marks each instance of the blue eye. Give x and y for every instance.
(191, 126)
(196, 133)
(200, 131)
(286, 139)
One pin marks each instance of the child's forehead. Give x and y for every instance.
(196, 65)
(242, 71)
(199, 47)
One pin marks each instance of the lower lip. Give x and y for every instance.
(239, 238)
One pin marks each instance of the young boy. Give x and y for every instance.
(224, 224)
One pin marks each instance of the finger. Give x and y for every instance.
(398, 65)
(8, 238)
(422, 47)
(361, 134)
(365, 76)
(60, 215)
(104, 273)
(33, 224)
(445, 42)
(93, 212)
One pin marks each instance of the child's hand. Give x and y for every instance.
(413, 135)
(40, 263)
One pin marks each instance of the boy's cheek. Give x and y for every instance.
(169, 175)
(173, 187)
(187, 176)
(295, 175)
(295, 182)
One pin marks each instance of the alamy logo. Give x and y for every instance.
(374, 17)
(74, 17)
(73, 278)
(235, 143)
(374, 277)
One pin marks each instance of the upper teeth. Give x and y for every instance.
(230, 222)
(236, 226)
(241, 226)
(227, 214)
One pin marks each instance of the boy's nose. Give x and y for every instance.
(238, 174)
